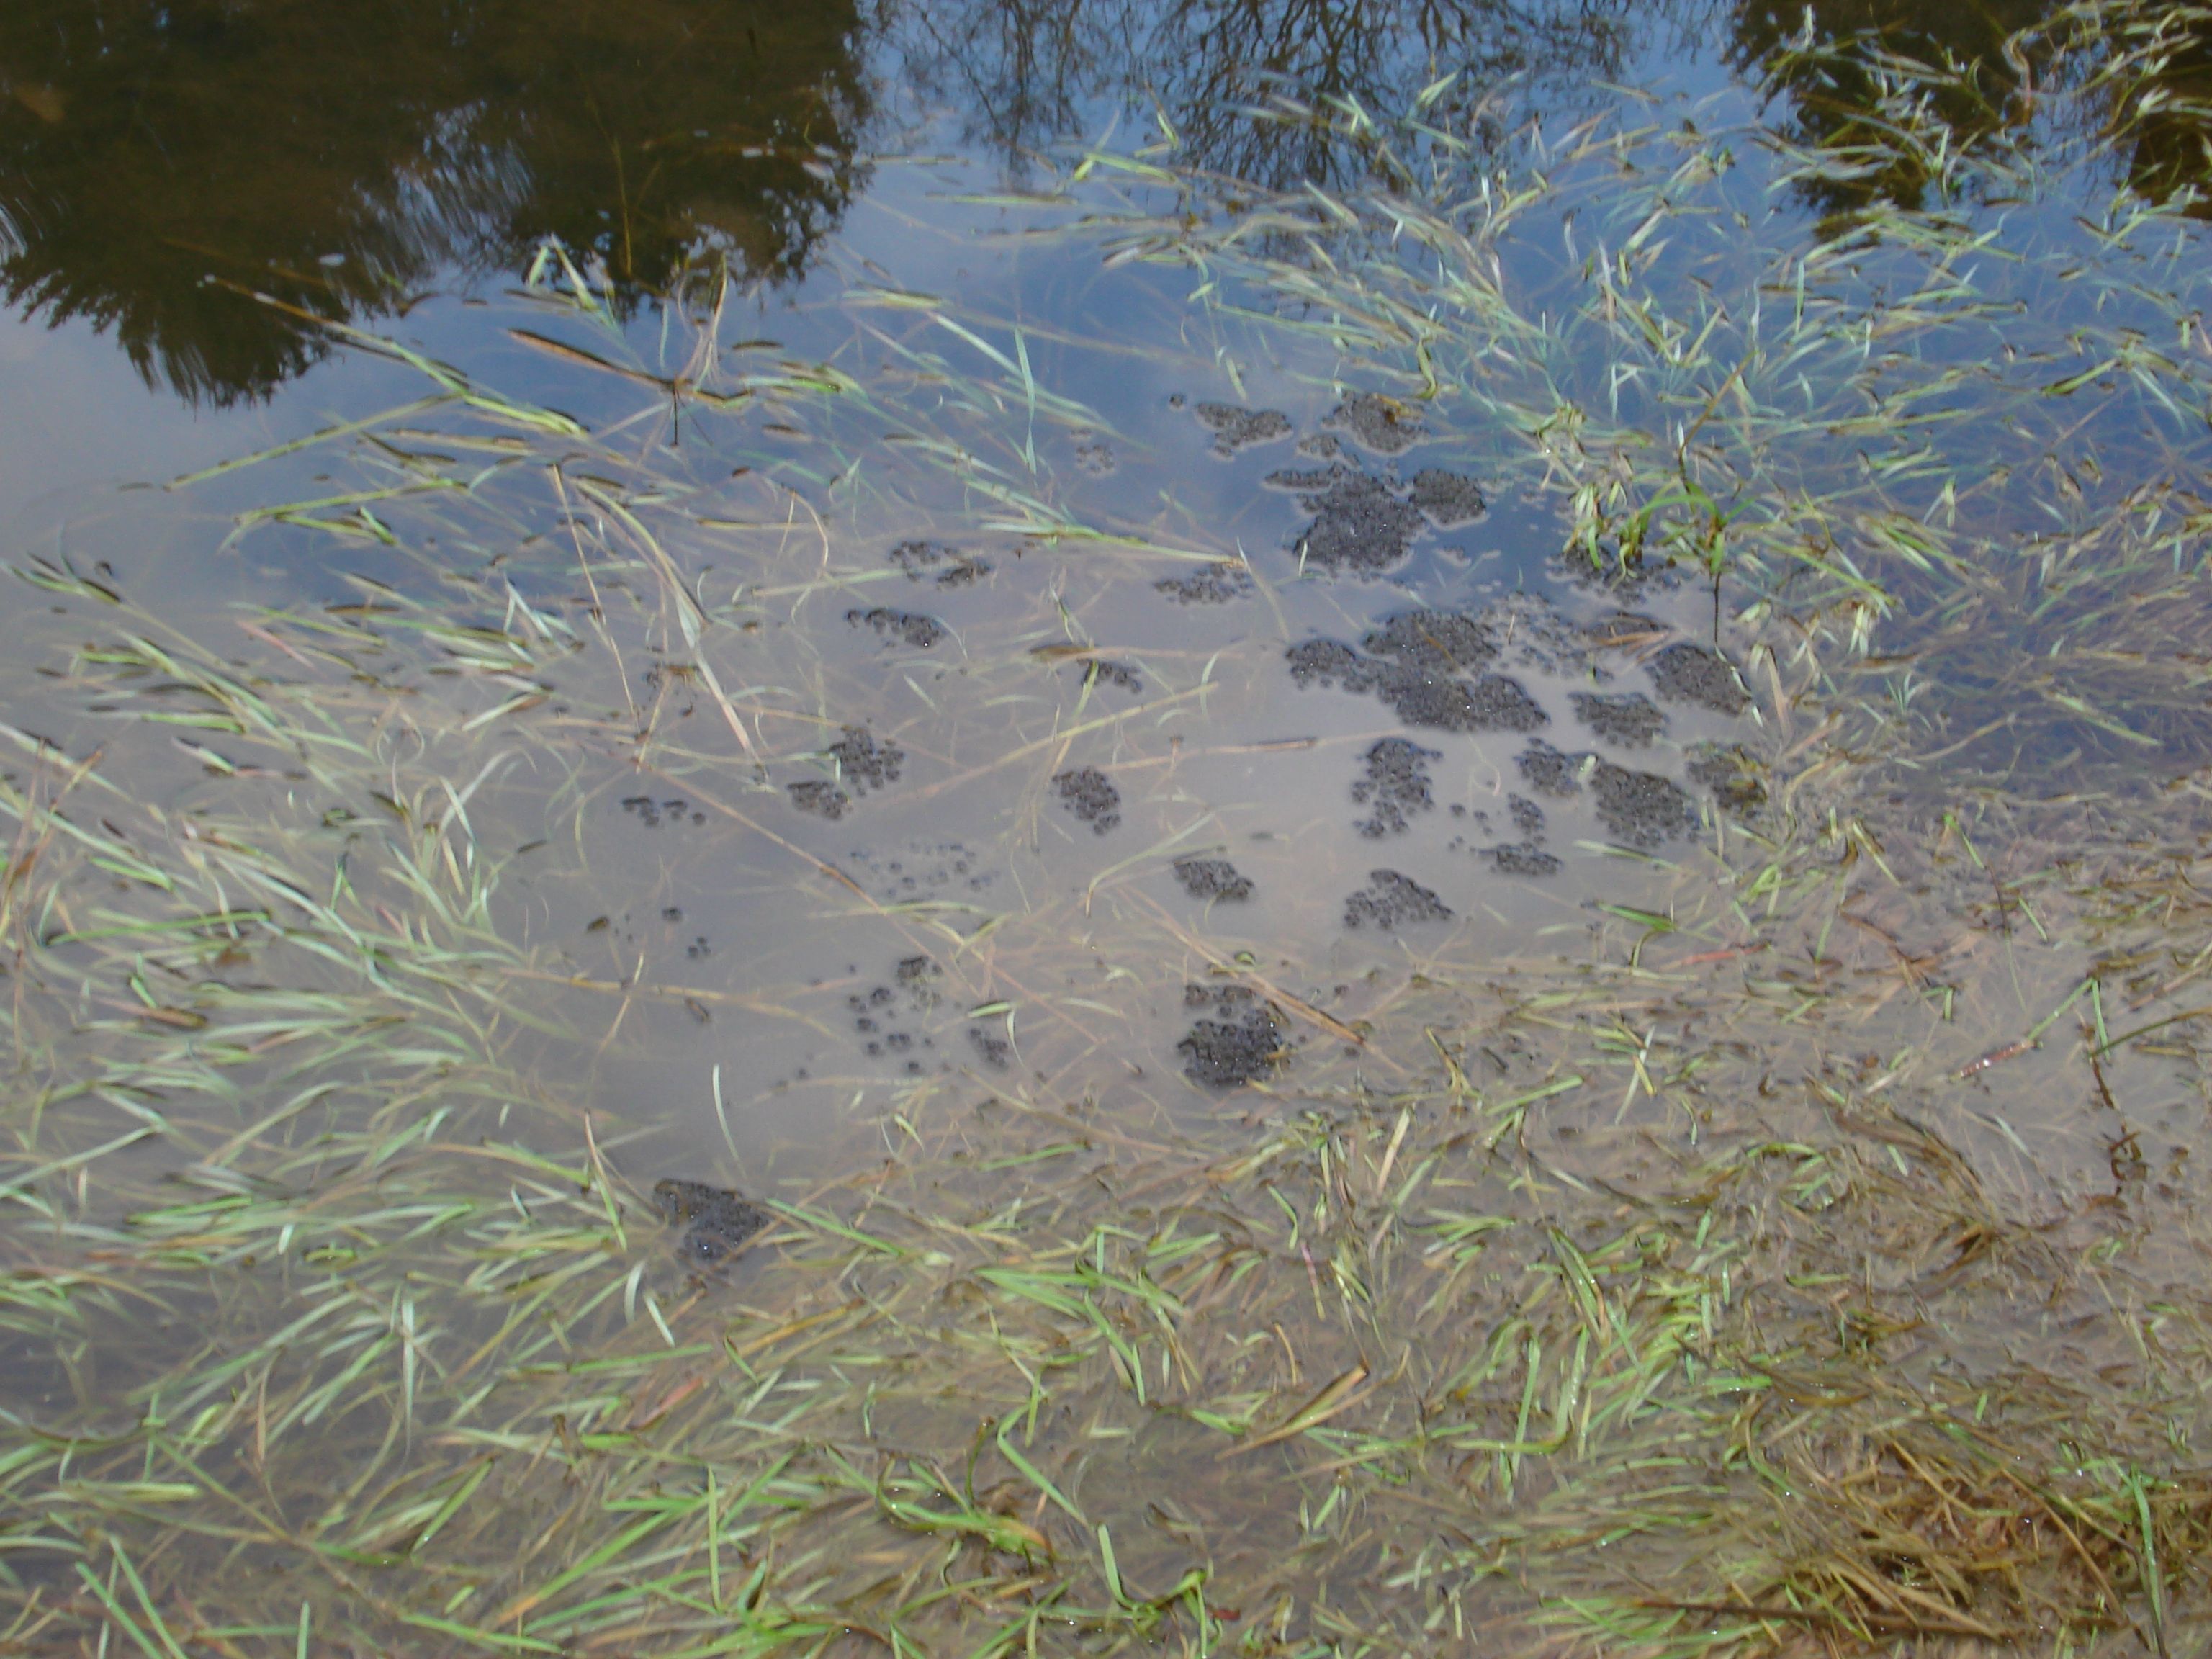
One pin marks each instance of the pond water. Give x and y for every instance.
(1394, 814)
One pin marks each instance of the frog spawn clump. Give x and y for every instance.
(1241, 1043)
(1213, 878)
(1235, 429)
(1394, 786)
(716, 1222)
(875, 1010)
(1215, 583)
(1090, 795)
(1425, 665)
(1683, 672)
(864, 761)
(1391, 901)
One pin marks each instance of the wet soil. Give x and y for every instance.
(716, 1222)
(1241, 1044)
(1395, 784)
(1390, 901)
(1090, 795)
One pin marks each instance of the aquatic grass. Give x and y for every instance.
(1529, 1305)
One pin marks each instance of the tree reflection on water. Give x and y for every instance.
(1023, 72)
(337, 157)
(156, 159)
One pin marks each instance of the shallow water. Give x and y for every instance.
(1427, 857)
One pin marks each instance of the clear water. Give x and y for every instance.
(754, 741)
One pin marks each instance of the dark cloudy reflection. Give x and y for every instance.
(337, 155)
(158, 156)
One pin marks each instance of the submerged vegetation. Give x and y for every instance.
(1752, 1219)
